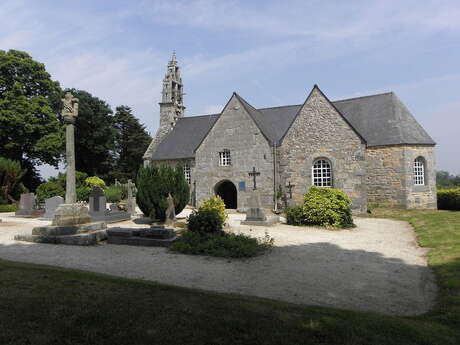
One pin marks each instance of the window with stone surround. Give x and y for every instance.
(419, 171)
(224, 158)
(187, 173)
(321, 173)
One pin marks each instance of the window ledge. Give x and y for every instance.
(421, 188)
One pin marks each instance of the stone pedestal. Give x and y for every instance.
(255, 215)
(71, 225)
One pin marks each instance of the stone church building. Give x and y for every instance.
(370, 147)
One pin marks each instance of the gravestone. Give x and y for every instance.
(98, 208)
(131, 198)
(51, 205)
(156, 236)
(28, 206)
(255, 215)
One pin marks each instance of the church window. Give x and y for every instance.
(419, 171)
(322, 173)
(225, 158)
(187, 173)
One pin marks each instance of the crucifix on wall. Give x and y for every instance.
(254, 173)
(289, 187)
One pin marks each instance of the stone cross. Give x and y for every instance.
(69, 113)
(254, 173)
(290, 186)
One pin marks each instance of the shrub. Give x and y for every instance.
(221, 244)
(8, 208)
(449, 199)
(95, 181)
(153, 185)
(113, 193)
(322, 206)
(215, 203)
(49, 189)
(205, 221)
(83, 193)
(295, 215)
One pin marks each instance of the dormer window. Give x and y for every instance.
(225, 158)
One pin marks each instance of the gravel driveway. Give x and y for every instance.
(374, 267)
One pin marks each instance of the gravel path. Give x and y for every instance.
(374, 267)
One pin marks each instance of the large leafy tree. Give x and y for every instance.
(94, 136)
(132, 140)
(11, 174)
(29, 101)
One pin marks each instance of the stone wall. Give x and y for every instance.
(390, 176)
(236, 131)
(319, 131)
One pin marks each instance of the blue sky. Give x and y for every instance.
(270, 52)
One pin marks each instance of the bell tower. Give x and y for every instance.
(171, 105)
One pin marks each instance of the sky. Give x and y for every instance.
(270, 52)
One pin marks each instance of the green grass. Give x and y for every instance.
(8, 208)
(45, 305)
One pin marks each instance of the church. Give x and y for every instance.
(370, 147)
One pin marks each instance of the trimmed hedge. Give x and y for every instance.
(449, 199)
(8, 208)
(324, 207)
(153, 185)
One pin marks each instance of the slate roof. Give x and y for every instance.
(380, 120)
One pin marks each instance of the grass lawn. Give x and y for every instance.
(44, 305)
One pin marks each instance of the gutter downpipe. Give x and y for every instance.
(275, 201)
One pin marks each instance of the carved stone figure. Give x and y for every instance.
(69, 107)
(170, 211)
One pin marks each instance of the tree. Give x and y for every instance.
(29, 101)
(94, 136)
(11, 174)
(132, 141)
(153, 186)
(446, 180)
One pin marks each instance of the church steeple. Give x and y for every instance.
(172, 95)
(171, 105)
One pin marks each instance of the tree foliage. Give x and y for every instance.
(94, 136)
(56, 186)
(153, 185)
(11, 174)
(446, 180)
(131, 141)
(29, 101)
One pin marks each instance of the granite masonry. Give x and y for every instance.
(370, 147)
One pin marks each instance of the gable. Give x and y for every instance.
(319, 117)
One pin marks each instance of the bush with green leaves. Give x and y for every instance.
(205, 221)
(56, 186)
(95, 181)
(449, 199)
(327, 207)
(8, 208)
(221, 244)
(153, 185)
(114, 193)
(215, 203)
(11, 174)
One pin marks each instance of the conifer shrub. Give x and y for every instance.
(327, 207)
(215, 203)
(153, 185)
(449, 199)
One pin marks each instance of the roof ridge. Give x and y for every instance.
(281, 106)
(353, 98)
(193, 116)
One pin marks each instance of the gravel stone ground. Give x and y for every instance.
(374, 267)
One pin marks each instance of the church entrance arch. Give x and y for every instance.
(227, 191)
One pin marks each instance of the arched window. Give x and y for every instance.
(321, 173)
(419, 171)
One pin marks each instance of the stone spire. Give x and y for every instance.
(171, 105)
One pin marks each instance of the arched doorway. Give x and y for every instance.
(227, 191)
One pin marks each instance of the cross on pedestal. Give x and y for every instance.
(254, 173)
(289, 187)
